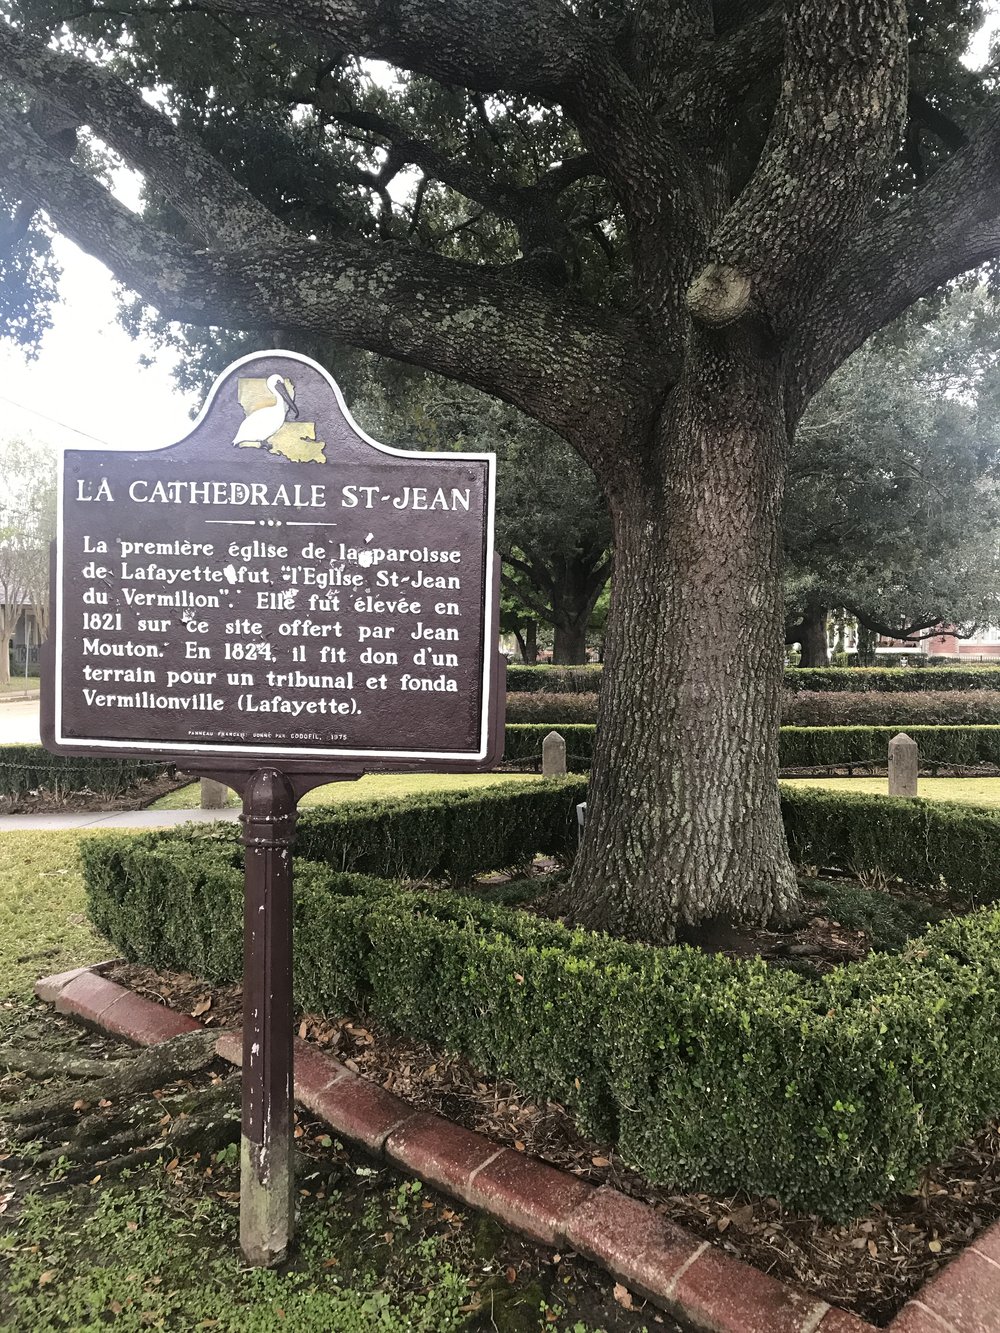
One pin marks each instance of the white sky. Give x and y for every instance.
(87, 377)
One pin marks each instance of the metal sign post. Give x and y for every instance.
(267, 1178)
(275, 602)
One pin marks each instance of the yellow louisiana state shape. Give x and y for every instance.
(295, 440)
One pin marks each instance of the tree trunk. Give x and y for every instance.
(6, 636)
(569, 643)
(529, 645)
(814, 643)
(684, 824)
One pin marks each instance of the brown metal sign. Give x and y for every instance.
(277, 588)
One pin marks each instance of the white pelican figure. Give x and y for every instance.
(260, 424)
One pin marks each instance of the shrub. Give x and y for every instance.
(844, 677)
(554, 679)
(817, 708)
(798, 747)
(706, 1073)
(27, 768)
(859, 679)
(802, 708)
(808, 747)
(545, 706)
(923, 843)
(447, 836)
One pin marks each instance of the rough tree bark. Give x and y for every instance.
(683, 817)
(746, 270)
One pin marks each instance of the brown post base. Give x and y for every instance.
(267, 1205)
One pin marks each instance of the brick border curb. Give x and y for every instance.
(689, 1279)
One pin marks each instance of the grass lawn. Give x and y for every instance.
(19, 686)
(158, 1248)
(372, 787)
(972, 791)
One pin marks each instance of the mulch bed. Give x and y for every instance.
(871, 1266)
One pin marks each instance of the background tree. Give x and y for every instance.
(676, 218)
(27, 526)
(553, 530)
(892, 509)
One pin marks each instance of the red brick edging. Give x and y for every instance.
(690, 1279)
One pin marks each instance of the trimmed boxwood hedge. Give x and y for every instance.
(585, 679)
(26, 768)
(554, 679)
(922, 843)
(798, 747)
(860, 679)
(705, 1072)
(445, 836)
(859, 708)
(805, 747)
(804, 708)
(523, 743)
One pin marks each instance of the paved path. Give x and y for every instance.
(114, 819)
(19, 722)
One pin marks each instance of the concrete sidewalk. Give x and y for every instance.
(114, 819)
(19, 696)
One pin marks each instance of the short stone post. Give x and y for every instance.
(553, 756)
(904, 765)
(214, 795)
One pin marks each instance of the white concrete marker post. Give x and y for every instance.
(904, 765)
(553, 756)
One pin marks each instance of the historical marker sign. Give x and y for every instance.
(276, 587)
(274, 601)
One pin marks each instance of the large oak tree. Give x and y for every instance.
(677, 218)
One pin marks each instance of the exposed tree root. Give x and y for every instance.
(119, 1080)
(132, 1113)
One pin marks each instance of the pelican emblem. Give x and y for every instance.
(271, 421)
(258, 426)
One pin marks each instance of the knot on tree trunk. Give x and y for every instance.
(719, 295)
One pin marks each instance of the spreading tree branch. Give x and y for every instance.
(949, 226)
(461, 320)
(705, 93)
(835, 129)
(532, 47)
(215, 205)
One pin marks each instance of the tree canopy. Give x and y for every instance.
(656, 227)
(892, 509)
(27, 526)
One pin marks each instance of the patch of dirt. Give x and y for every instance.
(870, 1266)
(818, 944)
(43, 801)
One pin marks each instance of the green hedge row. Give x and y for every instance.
(586, 679)
(860, 679)
(547, 706)
(523, 744)
(866, 708)
(931, 844)
(26, 768)
(448, 836)
(803, 708)
(705, 1073)
(798, 747)
(805, 747)
(554, 679)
